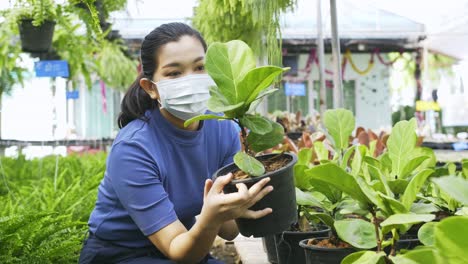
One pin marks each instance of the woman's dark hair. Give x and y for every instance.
(136, 101)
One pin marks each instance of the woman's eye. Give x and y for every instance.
(173, 74)
(201, 68)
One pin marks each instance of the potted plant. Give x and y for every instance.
(444, 241)
(286, 247)
(383, 190)
(240, 86)
(36, 21)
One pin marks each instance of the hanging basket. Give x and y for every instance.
(36, 39)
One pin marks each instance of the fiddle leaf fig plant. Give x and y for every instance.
(240, 84)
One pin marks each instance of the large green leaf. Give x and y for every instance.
(401, 144)
(262, 142)
(357, 232)
(365, 257)
(428, 152)
(320, 150)
(256, 124)
(451, 239)
(456, 187)
(300, 178)
(304, 156)
(423, 208)
(333, 194)
(306, 198)
(228, 63)
(465, 168)
(426, 233)
(425, 255)
(390, 206)
(249, 164)
(256, 81)
(398, 186)
(340, 124)
(411, 166)
(334, 175)
(399, 221)
(202, 117)
(357, 160)
(414, 186)
(218, 106)
(325, 218)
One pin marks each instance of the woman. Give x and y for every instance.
(158, 172)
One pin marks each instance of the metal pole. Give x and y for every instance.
(337, 78)
(321, 60)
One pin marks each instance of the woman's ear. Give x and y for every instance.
(150, 88)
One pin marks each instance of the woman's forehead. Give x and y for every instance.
(186, 49)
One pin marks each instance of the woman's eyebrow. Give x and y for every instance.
(198, 59)
(176, 64)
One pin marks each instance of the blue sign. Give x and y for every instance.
(295, 89)
(73, 94)
(52, 68)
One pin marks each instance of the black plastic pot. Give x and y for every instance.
(270, 248)
(294, 135)
(322, 255)
(287, 245)
(282, 199)
(36, 39)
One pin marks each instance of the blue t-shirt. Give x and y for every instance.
(155, 175)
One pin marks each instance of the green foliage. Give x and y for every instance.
(249, 164)
(239, 84)
(357, 232)
(450, 239)
(43, 214)
(400, 144)
(114, 67)
(426, 233)
(251, 21)
(454, 186)
(365, 257)
(340, 124)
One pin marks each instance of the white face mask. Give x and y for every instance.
(185, 97)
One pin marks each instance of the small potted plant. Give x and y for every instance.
(240, 86)
(36, 22)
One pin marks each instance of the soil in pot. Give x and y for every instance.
(282, 199)
(323, 251)
(36, 39)
(287, 244)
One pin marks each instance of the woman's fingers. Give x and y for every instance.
(256, 188)
(260, 195)
(220, 182)
(208, 185)
(257, 214)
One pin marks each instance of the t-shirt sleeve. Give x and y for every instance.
(234, 145)
(135, 177)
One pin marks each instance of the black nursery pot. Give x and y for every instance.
(294, 135)
(287, 245)
(36, 39)
(322, 255)
(282, 199)
(270, 248)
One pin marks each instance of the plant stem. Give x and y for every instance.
(244, 138)
(394, 241)
(376, 225)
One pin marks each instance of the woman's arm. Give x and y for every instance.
(193, 245)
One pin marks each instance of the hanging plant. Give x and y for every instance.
(256, 22)
(114, 67)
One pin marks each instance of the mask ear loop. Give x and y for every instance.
(159, 99)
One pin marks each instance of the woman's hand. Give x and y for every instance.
(220, 207)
